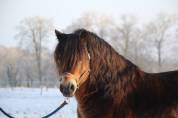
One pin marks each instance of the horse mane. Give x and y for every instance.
(110, 72)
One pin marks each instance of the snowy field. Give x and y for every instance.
(28, 103)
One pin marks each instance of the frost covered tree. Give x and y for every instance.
(158, 32)
(32, 34)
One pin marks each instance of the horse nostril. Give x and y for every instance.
(61, 88)
(72, 87)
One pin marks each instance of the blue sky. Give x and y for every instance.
(64, 12)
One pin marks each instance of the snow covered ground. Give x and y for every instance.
(28, 103)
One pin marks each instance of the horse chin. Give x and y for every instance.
(68, 95)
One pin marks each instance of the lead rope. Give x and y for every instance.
(47, 116)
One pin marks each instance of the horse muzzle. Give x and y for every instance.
(68, 87)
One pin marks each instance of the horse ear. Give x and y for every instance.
(59, 35)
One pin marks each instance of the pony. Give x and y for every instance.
(107, 85)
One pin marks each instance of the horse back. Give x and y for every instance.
(156, 95)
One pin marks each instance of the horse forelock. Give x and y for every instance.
(68, 52)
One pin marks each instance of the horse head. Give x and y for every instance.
(73, 61)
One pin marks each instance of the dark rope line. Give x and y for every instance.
(5, 113)
(53, 112)
(47, 116)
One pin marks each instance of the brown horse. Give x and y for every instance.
(106, 85)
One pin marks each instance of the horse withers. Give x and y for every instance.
(106, 85)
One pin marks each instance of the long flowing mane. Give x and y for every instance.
(116, 87)
(108, 68)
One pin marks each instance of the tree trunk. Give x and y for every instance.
(159, 57)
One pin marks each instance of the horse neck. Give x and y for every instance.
(111, 78)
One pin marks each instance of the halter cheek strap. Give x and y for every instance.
(83, 77)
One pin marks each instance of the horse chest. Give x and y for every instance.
(95, 107)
